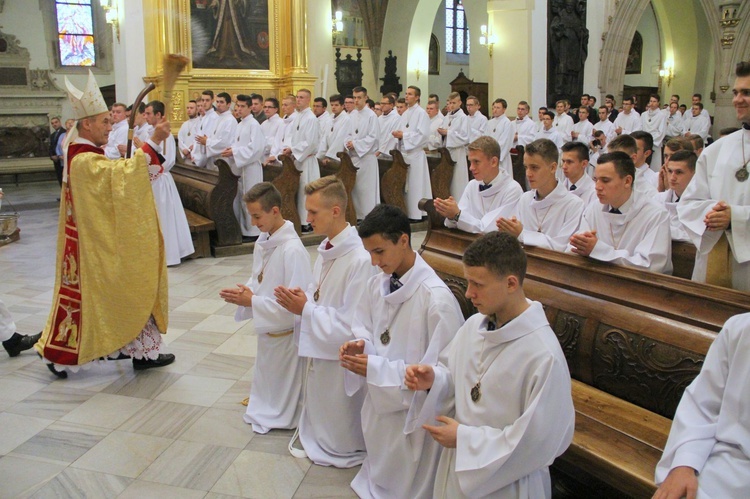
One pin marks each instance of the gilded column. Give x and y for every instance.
(299, 36)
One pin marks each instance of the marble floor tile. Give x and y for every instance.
(185, 359)
(96, 379)
(185, 320)
(204, 341)
(223, 270)
(28, 475)
(218, 324)
(124, 454)
(18, 388)
(261, 475)
(274, 442)
(196, 390)
(145, 384)
(105, 410)
(163, 419)
(230, 401)
(16, 429)
(51, 403)
(220, 427)
(214, 495)
(327, 482)
(191, 465)
(187, 290)
(63, 442)
(216, 365)
(227, 309)
(81, 483)
(201, 305)
(141, 489)
(172, 335)
(33, 371)
(9, 365)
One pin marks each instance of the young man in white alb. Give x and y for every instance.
(501, 129)
(456, 132)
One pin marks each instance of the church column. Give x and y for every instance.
(511, 63)
(130, 51)
(299, 36)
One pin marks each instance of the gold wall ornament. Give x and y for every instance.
(727, 40)
(724, 88)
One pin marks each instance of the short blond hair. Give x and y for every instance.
(331, 189)
(454, 95)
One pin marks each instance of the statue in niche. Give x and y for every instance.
(391, 79)
(348, 72)
(568, 49)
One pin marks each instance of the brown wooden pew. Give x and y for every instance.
(633, 341)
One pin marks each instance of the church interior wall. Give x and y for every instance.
(651, 56)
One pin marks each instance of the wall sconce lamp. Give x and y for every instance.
(111, 15)
(486, 39)
(338, 23)
(667, 72)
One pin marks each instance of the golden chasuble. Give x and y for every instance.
(111, 270)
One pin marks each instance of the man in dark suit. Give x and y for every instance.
(57, 161)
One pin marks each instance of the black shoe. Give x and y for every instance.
(164, 360)
(20, 342)
(249, 239)
(307, 228)
(415, 220)
(59, 374)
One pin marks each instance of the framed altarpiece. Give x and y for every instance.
(234, 46)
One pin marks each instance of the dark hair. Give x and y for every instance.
(542, 108)
(604, 107)
(700, 97)
(336, 98)
(584, 95)
(264, 193)
(624, 165)
(742, 69)
(577, 147)
(610, 96)
(697, 142)
(418, 90)
(358, 90)
(386, 220)
(321, 100)
(727, 131)
(544, 148)
(227, 98)
(679, 144)
(628, 99)
(699, 104)
(434, 96)
(247, 99)
(370, 103)
(550, 114)
(592, 97)
(157, 107)
(349, 96)
(655, 96)
(647, 138)
(253, 97)
(274, 101)
(498, 252)
(676, 95)
(501, 101)
(193, 101)
(210, 93)
(687, 157)
(624, 143)
(390, 98)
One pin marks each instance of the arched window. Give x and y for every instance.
(75, 33)
(456, 29)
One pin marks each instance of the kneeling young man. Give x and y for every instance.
(279, 259)
(406, 316)
(507, 380)
(626, 227)
(548, 214)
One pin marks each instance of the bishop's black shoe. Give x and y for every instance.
(164, 359)
(20, 342)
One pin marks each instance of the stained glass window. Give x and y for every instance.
(456, 28)
(75, 32)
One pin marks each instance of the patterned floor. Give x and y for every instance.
(109, 432)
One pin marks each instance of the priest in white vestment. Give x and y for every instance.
(477, 120)
(304, 139)
(675, 122)
(214, 141)
(330, 428)
(525, 128)
(562, 122)
(456, 133)
(627, 227)
(501, 129)
(335, 139)
(548, 214)
(279, 259)
(173, 223)
(699, 123)
(283, 138)
(412, 135)
(605, 125)
(680, 171)
(549, 132)
(362, 144)
(270, 126)
(716, 202)
(406, 316)
(707, 447)
(507, 380)
(490, 195)
(244, 157)
(575, 167)
(436, 121)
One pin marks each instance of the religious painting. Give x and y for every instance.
(353, 32)
(434, 56)
(229, 34)
(635, 56)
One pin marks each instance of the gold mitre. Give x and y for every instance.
(89, 102)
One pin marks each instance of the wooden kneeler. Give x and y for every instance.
(347, 173)
(393, 183)
(442, 175)
(288, 184)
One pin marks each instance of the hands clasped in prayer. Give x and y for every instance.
(353, 358)
(292, 299)
(719, 217)
(242, 295)
(583, 243)
(510, 225)
(447, 208)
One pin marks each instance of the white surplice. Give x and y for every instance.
(421, 317)
(172, 219)
(502, 130)
(330, 427)
(387, 124)
(325, 121)
(7, 326)
(699, 125)
(186, 135)
(526, 129)
(456, 140)
(304, 139)
(607, 127)
(655, 123)
(715, 181)
(415, 124)
(711, 430)
(523, 420)
(365, 137)
(436, 140)
(563, 123)
(644, 173)
(480, 210)
(245, 162)
(552, 135)
(549, 222)
(205, 126)
(222, 136)
(675, 125)
(118, 136)
(628, 122)
(585, 131)
(270, 128)
(283, 138)
(585, 189)
(477, 126)
(335, 140)
(276, 392)
(639, 237)
(669, 199)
